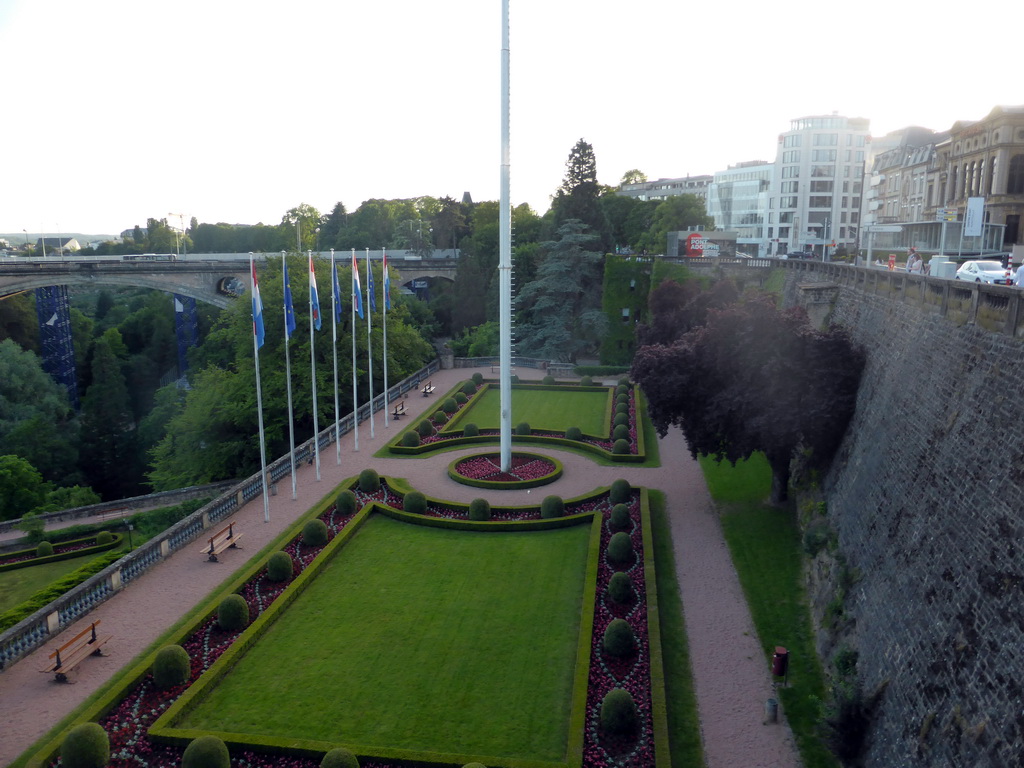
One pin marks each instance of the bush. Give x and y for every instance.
(622, 389)
(624, 381)
(469, 388)
(522, 428)
(618, 640)
(45, 549)
(619, 492)
(479, 509)
(233, 613)
(461, 398)
(86, 746)
(623, 398)
(474, 765)
(280, 567)
(622, 408)
(514, 378)
(314, 533)
(346, 503)
(411, 439)
(171, 667)
(574, 433)
(369, 481)
(548, 380)
(415, 503)
(621, 419)
(104, 537)
(339, 758)
(620, 447)
(478, 378)
(425, 428)
(440, 418)
(620, 519)
(618, 713)
(449, 406)
(620, 549)
(470, 430)
(586, 381)
(206, 752)
(620, 588)
(621, 432)
(552, 506)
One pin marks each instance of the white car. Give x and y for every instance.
(983, 272)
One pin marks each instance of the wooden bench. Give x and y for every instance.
(428, 389)
(69, 655)
(223, 539)
(399, 410)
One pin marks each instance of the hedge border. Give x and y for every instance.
(506, 485)
(93, 550)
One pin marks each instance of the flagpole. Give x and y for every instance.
(312, 365)
(256, 341)
(387, 302)
(334, 349)
(355, 380)
(288, 371)
(369, 338)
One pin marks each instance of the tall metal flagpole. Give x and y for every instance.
(335, 299)
(369, 338)
(505, 257)
(288, 328)
(257, 342)
(355, 377)
(312, 362)
(386, 280)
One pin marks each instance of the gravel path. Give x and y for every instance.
(731, 676)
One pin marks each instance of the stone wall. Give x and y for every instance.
(927, 499)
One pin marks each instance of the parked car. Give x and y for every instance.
(982, 272)
(799, 255)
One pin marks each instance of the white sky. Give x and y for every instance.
(116, 111)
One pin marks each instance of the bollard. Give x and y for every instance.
(771, 711)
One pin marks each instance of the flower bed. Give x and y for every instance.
(526, 470)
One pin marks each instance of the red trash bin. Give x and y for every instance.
(780, 661)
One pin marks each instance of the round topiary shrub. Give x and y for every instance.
(280, 567)
(514, 378)
(233, 613)
(548, 380)
(479, 509)
(618, 713)
(104, 537)
(415, 503)
(620, 432)
(586, 381)
(620, 588)
(621, 419)
(522, 428)
(470, 430)
(574, 433)
(620, 447)
(620, 518)
(86, 746)
(449, 406)
(206, 752)
(346, 502)
(460, 398)
(440, 418)
(478, 378)
(624, 381)
(171, 667)
(425, 428)
(411, 439)
(474, 765)
(622, 408)
(620, 549)
(44, 549)
(314, 533)
(469, 388)
(618, 640)
(552, 506)
(619, 492)
(620, 399)
(622, 389)
(339, 758)
(369, 481)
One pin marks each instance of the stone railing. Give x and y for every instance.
(30, 633)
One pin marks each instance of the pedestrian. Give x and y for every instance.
(910, 257)
(915, 264)
(1018, 280)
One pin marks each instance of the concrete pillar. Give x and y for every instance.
(115, 581)
(165, 548)
(53, 622)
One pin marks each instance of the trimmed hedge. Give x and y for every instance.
(621, 420)
(206, 752)
(619, 640)
(440, 417)
(280, 566)
(618, 713)
(479, 509)
(369, 481)
(469, 388)
(620, 447)
(620, 520)
(573, 433)
(425, 428)
(415, 502)
(104, 537)
(552, 506)
(171, 667)
(470, 430)
(460, 398)
(620, 588)
(346, 503)
(586, 381)
(523, 428)
(548, 380)
(233, 613)
(411, 438)
(44, 549)
(478, 378)
(86, 746)
(620, 432)
(620, 549)
(449, 406)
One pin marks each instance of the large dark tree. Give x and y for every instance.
(754, 379)
(677, 308)
(577, 197)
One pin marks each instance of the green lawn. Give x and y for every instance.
(19, 585)
(543, 409)
(423, 639)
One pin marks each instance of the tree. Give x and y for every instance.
(577, 197)
(677, 308)
(754, 379)
(21, 487)
(633, 176)
(304, 220)
(675, 214)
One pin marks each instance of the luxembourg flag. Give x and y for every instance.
(357, 291)
(314, 297)
(387, 284)
(257, 306)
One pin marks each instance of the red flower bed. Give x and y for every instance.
(488, 467)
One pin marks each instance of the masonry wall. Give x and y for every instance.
(927, 499)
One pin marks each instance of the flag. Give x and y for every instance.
(356, 289)
(337, 292)
(314, 298)
(257, 307)
(387, 284)
(370, 288)
(289, 310)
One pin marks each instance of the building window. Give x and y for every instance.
(790, 187)
(821, 187)
(790, 171)
(1015, 179)
(791, 156)
(625, 315)
(823, 156)
(820, 201)
(823, 171)
(789, 201)
(826, 139)
(792, 141)
(632, 285)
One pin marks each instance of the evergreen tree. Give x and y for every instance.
(577, 197)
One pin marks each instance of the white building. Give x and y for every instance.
(738, 199)
(662, 189)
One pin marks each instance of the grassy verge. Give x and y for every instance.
(764, 542)
(547, 410)
(683, 720)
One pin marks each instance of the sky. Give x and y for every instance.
(117, 111)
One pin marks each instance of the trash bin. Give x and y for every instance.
(771, 711)
(780, 661)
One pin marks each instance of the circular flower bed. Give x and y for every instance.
(483, 470)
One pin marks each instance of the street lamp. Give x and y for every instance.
(129, 526)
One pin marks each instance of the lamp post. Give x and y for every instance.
(129, 526)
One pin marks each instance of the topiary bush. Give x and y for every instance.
(425, 428)
(86, 746)
(552, 506)
(622, 389)
(618, 713)
(548, 380)
(622, 398)
(415, 502)
(514, 378)
(620, 432)
(470, 430)
(206, 752)
(449, 406)
(314, 533)
(620, 447)
(624, 381)
(619, 492)
(478, 378)
(522, 428)
(479, 509)
(620, 588)
(469, 388)
(474, 765)
(233, 613)
(620, 549)
(618, 640)
(621, 419)
(339, 758)
(440, 418)
(369, 481)
(44, 549)
(573, 433)
(622, 408)
(411, 439)
(586, 381)
(460, 398)
(171, 667)
(104, 537)
(346, 503)
(280, 567)
(620, 520)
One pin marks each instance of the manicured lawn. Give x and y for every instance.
(543, 409)
(423, 639)
(765, 545)
(19, 585)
